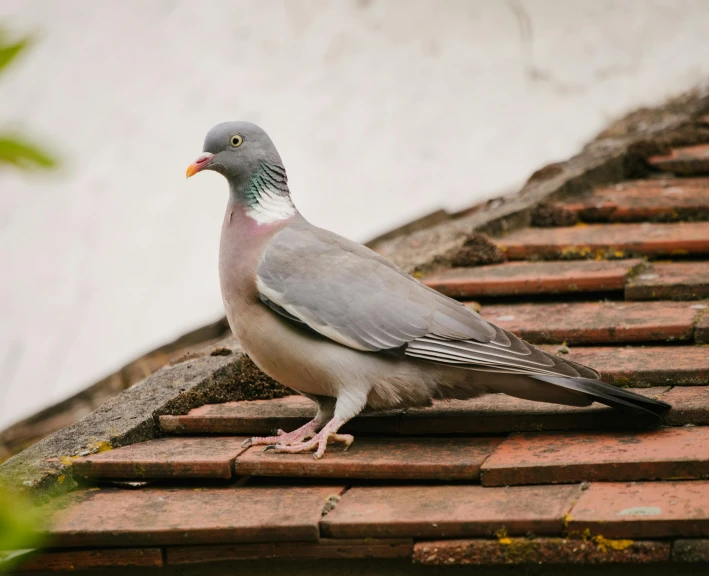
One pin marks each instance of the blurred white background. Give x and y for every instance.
(382, 110)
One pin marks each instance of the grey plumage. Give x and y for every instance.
(339, 323)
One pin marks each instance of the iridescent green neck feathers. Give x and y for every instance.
(267, 196)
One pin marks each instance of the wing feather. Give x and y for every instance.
(350, 294)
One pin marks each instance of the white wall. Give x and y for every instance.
(382, 110)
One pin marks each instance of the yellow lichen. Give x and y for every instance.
(61, 478)
(101, 446)
(605, 543)
(521, 551)
(565, 519)
(502, 537)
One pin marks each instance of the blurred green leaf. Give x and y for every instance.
(9, 50)
(23, 154)
(14, 150)
(20, 529)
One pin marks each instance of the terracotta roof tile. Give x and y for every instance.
(690, 550)
(194, 457)
(258, 417)
(643, 510)
(549, 458)
(513, 278)
(481, 552)
(379, 458)
(701, 329)
(665, 200)
(690, 405)
(71, 560)
(644, 365)
(690, 160)
(596, 322)
(449, 511)
(188, 515)
(320, 550)
(489, 414)
(498, 413)
(671, 281)
(607, 240)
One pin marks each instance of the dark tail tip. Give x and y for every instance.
(607, 394)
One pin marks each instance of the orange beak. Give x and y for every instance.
(203, 160)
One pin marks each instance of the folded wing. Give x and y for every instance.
(350, 294)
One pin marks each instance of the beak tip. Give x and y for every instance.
(200, 164)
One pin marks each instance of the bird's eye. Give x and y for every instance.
(236, 140)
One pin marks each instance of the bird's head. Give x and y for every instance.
(244, 154)
(236, 150)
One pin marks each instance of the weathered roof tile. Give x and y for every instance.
(534, 278)
(481, 552)
(690, 550)
(670, 281)
(188, 515)
(642, 510)
(644, 365)
(550, 458)
(701, 329)
(664, 200)
(449, 511)
(379, 458)
(194, 457)
(320, 550)
(596, 322)
(71, 560)
(607, 241)
(690, 405)
(489, 414)
(690, 160)
(261, 417)
(499, 413)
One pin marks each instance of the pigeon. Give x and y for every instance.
(340, 324)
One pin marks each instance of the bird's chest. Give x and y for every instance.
(241, 248)
(273, 344)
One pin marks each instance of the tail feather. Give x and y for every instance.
(607, 394)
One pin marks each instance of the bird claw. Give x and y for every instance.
(273, 447)
(248, 442)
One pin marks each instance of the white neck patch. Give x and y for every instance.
(270, 207)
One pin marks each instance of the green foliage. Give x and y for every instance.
(15, 150)
(10, 50)
(19, 529)
(23, 154)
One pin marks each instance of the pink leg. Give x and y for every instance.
(286, 438)
(319, 441)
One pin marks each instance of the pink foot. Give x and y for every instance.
(285, 438)
(318, 441)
